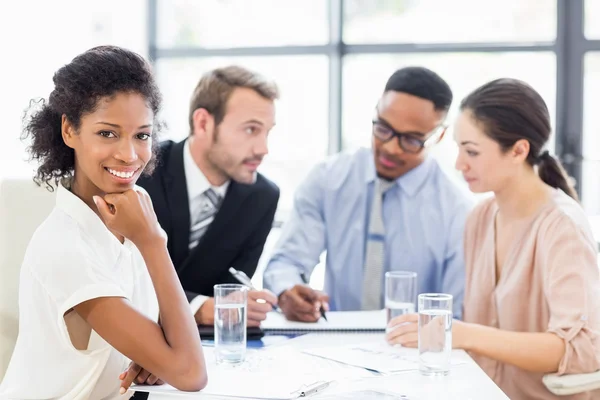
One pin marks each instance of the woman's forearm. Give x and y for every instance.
(531, 351)
(179, 327)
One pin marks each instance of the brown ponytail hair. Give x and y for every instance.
(511, 110)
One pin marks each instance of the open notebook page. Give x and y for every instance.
(337, 321)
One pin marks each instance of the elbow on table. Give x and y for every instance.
(191, 382)
(190, 376)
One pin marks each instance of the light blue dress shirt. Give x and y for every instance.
(424, 215)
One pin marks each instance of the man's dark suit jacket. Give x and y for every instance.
(236, 236)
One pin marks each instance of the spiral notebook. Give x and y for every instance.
(337, 321)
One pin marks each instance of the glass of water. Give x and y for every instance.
(231, 302)
(400, 294)
(435, 333)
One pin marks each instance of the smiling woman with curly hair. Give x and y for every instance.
(97, 271)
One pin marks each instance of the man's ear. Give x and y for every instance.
(203, 123)
(68, 132)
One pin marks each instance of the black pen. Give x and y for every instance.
(322, 310)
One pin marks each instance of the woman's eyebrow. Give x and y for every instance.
(119, 126)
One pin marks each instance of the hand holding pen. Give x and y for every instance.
(302, 303)
(260, 302)
(321, 301)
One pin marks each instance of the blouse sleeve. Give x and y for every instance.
(72, 275)
(572, 289)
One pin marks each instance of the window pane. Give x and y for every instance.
(365, 76)
(241, 23)
(460, 21)
(591, 139)
(592, 17)
(299, 138)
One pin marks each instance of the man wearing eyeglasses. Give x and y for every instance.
(376, 210)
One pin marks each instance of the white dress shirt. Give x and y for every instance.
(197, 184)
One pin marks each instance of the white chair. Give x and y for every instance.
(23, 207)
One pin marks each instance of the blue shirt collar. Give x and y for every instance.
(412, 181)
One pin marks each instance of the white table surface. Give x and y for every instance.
(465, 381)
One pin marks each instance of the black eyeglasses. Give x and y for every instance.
(409, 142)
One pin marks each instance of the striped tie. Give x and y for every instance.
(375, 252)
(209, 205)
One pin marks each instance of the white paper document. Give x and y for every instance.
(337, 321)
(278, 373)
(367, 394)
(376, 356)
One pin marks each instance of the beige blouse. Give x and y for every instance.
(549, 283)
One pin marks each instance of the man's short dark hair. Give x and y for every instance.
(421, 82)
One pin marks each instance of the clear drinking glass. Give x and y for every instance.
(435, 333)
(400, 293)
(231, 302)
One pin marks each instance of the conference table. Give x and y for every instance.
(465, 380)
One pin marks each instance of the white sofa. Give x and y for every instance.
(23, 206)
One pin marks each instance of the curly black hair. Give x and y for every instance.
(100, 72)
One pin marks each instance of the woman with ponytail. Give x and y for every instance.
(532, 291)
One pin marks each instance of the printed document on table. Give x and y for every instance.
(277, 373)
(376, 356)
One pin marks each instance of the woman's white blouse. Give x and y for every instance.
(72, 257)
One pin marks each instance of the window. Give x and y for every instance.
(591, 139)
(456, 21)
(241, 23)
(44, 44)
(365, 76)
(591, 102)
(468, 42)
(592, 19)
(299, 139)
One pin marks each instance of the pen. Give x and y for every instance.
(322, 310)
(241, 277)
(314, 390)
(244, 280)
